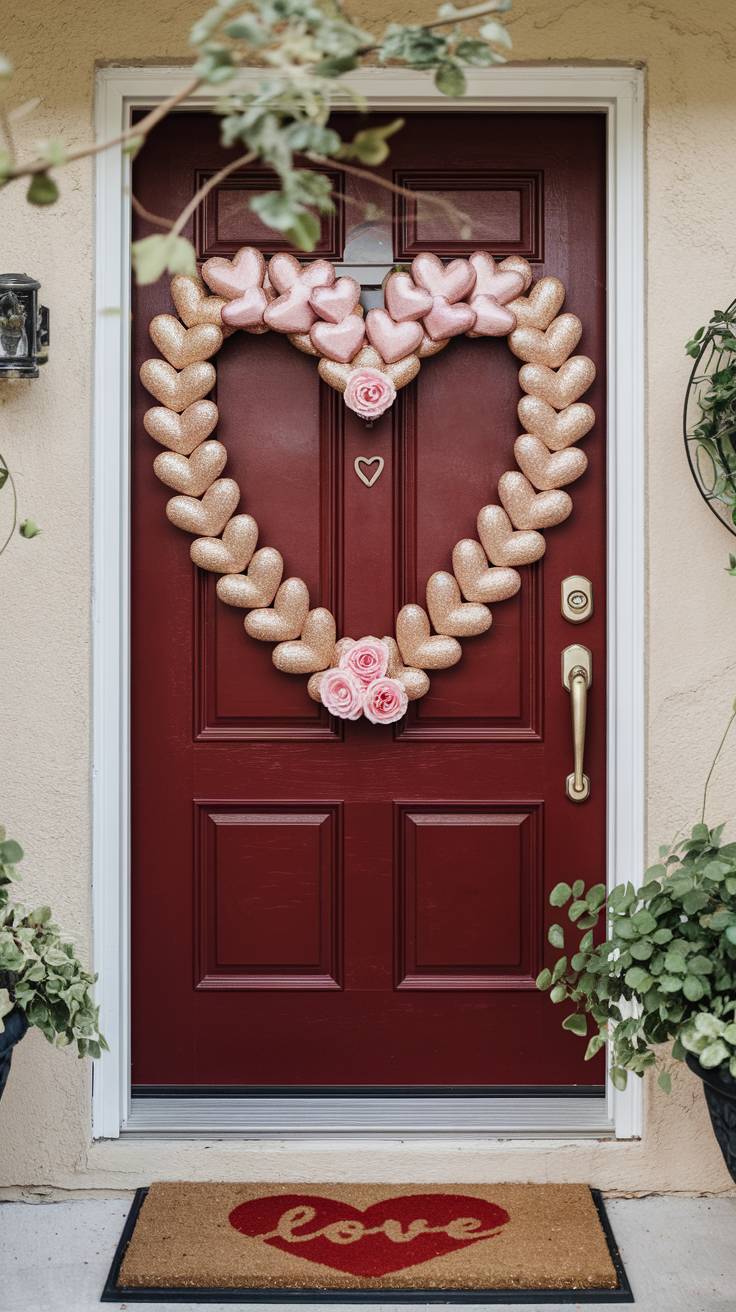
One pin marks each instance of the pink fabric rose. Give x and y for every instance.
(369, 393)
(385, 701)
(342, 694)
(366, 659)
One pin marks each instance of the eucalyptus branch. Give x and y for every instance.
(304, 49)
(133, 133)
(208, 186)
(453, 212)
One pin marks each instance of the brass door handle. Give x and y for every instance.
(577, 677)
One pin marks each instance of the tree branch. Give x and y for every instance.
(140, 129)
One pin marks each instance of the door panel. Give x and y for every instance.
(326, 903)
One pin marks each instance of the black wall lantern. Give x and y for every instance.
(24, 327)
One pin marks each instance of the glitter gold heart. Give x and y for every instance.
(181, 432)
(503, 544)
(450, 615)
(182, 346)
(259, 586)
(314, 650)
(538, 309)
(208, 516)
(191, 474)
(417, 645)
(561, 387)
(557, 431)
(551, 347)
(230, 553)
(529, 509)
(285, 619)
(194, 304)
(478, 581)
(547, 469)
(177, 390)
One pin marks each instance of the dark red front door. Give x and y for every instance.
(320, 903)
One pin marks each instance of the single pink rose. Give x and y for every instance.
(385, 701)
(366, 659)
(342, 694)
(369, 393)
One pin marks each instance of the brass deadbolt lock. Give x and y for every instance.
(577, 598)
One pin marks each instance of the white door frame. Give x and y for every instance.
(619, 94)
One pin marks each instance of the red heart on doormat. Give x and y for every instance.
(387, 1236)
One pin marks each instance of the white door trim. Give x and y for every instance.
(619, 94)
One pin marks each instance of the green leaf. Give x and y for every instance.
(560, 967)
(450, 79)
(715, 1054)
(594, 1045)
(370, 145)
(556, 936)
(544, 979)
(638, 978)
(561, 893)
(495, 32)
(578, 888)
(644, 922)
(664, 1080)
(10, 852)
(695, 901)
(474, 52)
(304, 231)
(576, 1024)
(42, 190)
(29, 529)
(161, 253)
(693, 988)
(596, 896)
(577, 909)
(558, 993)
(619, 1078)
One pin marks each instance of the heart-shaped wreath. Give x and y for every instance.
(367, 358)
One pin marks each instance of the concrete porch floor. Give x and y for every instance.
(680, 1254)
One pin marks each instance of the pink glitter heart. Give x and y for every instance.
(446, 320)
(231, 278)
(291, 312)
(247, 310)
(491, 319)
(502, 284)
(392, 340)
(452, 281)
(404, 300)
(336, 302)
(339, 341)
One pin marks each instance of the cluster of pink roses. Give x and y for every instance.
(358, 684)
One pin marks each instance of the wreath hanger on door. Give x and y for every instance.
(368, 358)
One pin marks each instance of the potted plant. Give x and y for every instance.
(42, 981)
(665, 972)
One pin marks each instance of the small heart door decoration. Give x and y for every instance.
(362, 463)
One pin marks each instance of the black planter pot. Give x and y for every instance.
(15, 1027)
(720, 1095)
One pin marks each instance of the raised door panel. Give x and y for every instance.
(268, 883)
(469, 881)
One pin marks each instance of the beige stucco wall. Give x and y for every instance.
(689, 52)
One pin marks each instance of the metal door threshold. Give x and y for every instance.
(408, 1116)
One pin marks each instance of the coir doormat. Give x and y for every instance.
(442, 1243)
